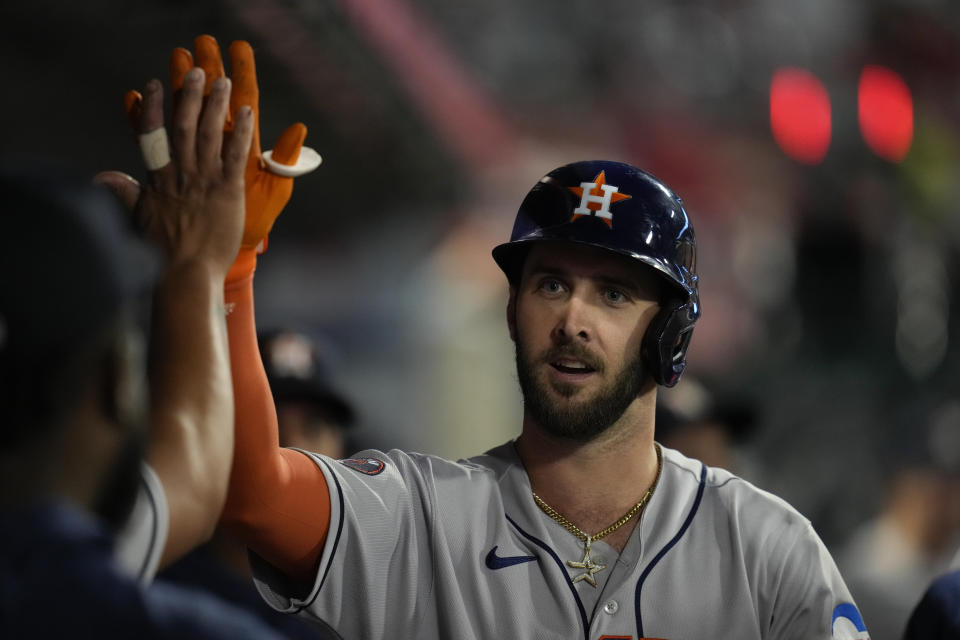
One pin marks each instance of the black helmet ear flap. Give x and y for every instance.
(664, 348)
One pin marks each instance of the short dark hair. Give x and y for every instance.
(69, 269)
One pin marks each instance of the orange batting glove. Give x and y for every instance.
(268, 176)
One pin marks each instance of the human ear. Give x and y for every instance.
(512, 313)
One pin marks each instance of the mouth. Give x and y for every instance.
(572, 367)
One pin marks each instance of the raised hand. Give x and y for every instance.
(268, 176)
(192, 205)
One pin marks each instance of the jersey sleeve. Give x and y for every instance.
(140, 543)
(376, 570)
(809, 597)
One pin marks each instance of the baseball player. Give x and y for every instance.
(72, 377)
(582, 527)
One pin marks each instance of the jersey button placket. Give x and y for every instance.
(611, 607)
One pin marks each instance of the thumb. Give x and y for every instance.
(287, 149)
(124, 188)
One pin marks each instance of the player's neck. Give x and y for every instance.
(593, 483)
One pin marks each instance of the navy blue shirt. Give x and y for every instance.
(201, 569)
(937, 617)
(58, 580)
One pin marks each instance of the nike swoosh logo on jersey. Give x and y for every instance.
(501, 562)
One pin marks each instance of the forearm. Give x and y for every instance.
(278, 503)
(191, 414)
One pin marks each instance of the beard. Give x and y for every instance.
(576, 421)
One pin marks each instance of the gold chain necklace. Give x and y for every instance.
(590, 566)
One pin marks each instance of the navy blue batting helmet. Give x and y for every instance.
(622, 209)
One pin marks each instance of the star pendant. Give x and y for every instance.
(589, 565)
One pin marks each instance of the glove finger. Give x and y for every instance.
(180, 63)
(133, 106)
(243, 72)
(208, 58)
(287, 149)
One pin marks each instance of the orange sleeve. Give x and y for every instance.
(278, 503)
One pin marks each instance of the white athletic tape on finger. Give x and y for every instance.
(155, 150)
(307, 162)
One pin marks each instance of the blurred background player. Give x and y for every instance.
(712, 427)
(313, 415)
(892, 558)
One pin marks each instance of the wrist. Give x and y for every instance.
(189, 285)
(193, 275)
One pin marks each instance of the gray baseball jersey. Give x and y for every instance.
(140, 543)
(429, 548)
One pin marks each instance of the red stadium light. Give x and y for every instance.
(885, 109)
(800, 115)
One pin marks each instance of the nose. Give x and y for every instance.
(573, 322)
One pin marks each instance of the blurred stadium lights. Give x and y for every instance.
(800, 116)
(885, 112)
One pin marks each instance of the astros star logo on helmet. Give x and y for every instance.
(596, 198)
